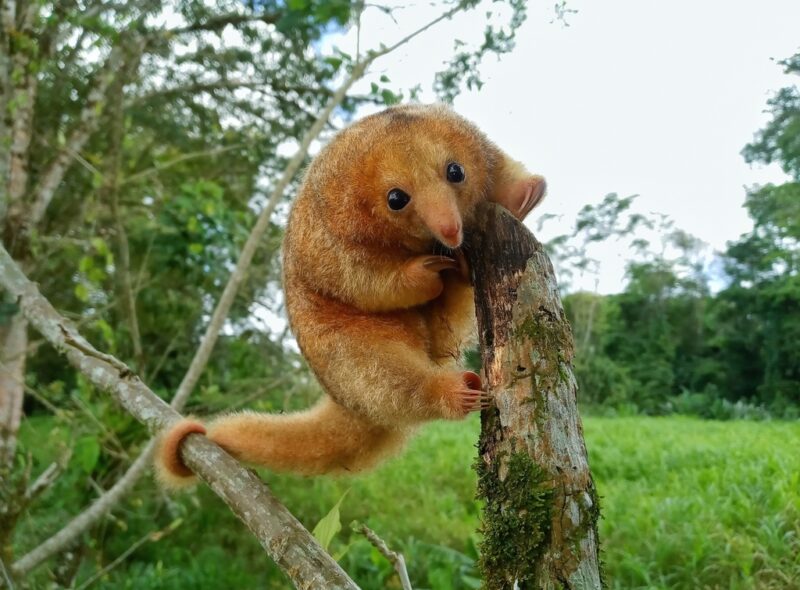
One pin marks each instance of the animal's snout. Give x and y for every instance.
(451, 230)
(442, 217)
(449, 233)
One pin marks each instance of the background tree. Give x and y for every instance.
(668, 341)
(138, 144)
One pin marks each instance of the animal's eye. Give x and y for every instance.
(455, 172)
(397, 199)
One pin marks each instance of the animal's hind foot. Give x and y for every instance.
(461, 393)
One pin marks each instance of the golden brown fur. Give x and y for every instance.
(378, 299)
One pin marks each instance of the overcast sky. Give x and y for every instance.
(647, 97)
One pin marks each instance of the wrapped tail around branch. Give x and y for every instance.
(324, 439)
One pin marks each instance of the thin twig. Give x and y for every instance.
(219, 22)
(180, 159)
(90, 350)
(46, 479)
(32, 392)
(395, 558)
(84, 407)
(111, 189)
(6, 576)
(153, 536)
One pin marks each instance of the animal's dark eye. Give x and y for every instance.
(397, 199)
(455, 172)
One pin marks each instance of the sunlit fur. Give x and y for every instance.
(381, 323)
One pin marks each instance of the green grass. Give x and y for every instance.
(698, 504)
(686, 504)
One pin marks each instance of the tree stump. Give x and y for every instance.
(541, 508)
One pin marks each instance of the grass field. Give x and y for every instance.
(686, 504)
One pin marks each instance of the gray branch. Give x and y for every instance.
(292, 547)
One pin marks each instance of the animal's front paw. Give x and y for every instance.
(522, 196)
(421, 274)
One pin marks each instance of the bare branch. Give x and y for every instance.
(292, 547)
(372, 56)
(6, 577)
(46, 479)
(124, 53)
(63, 538)
(153, 536)
(192, 89)
(111, 190)
(13, 348)
(158, 168)
(219, 22)
(396, 559)
(20, 88)
(103, 504)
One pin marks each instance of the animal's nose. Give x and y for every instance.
(450, 231)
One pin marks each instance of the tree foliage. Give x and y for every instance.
(667, 342)
(138, 144)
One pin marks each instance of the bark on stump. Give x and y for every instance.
(540, 518)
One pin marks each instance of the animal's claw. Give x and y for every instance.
(440, 263)
(473, 400)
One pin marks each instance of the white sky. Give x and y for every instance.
(647, 97)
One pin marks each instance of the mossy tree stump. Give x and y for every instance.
(540, 519)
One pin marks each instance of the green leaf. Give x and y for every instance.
(96, 275)
(389, 97)
(329, 525)
(87, 452)
(85, 264)
(385, 78)
(82, 292)
(195, 248)
(100, 245)
(334, 62)
(107, 332)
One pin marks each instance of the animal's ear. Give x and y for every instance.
(519, 195)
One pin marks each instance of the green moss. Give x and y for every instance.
(516, 519)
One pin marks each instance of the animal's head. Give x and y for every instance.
(409, 176)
